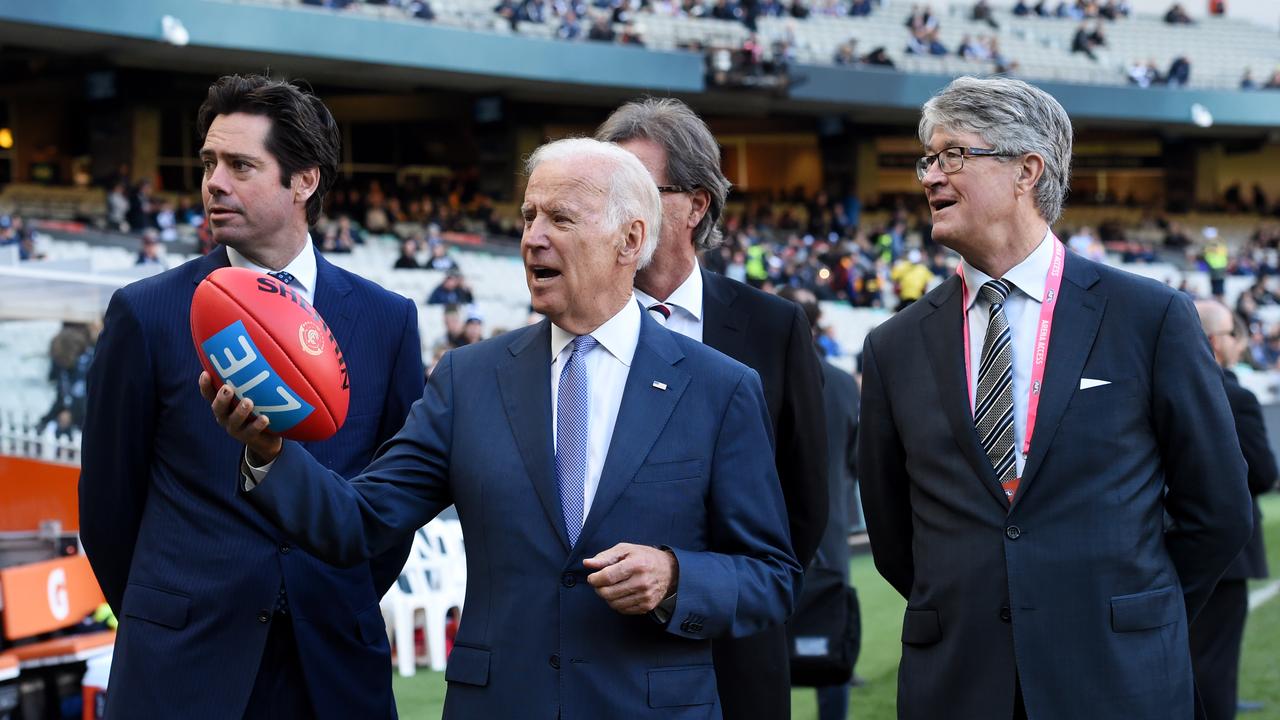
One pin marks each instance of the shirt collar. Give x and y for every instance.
(302, 267)
(619, 334)
(687, 297)
(1028, 276)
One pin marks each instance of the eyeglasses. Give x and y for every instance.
(951, 160)
(675, 189)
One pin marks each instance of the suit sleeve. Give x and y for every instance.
(345, 523)
(883, 481)
(404, 388)
(1252, 431)
(802, 442)
(1208, 496)
(119, 430)
(749, 578)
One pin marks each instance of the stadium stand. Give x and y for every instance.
(1219, 50)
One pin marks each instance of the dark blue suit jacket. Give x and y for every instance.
(690, 466)
(1132, 503)
(186, 565)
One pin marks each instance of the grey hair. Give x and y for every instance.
(693, 155)
(1011, 117)
(630, 195)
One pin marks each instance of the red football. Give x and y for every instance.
(272, 346)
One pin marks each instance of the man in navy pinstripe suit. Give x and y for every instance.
(220, 615)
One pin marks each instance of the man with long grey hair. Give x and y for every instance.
(1049, 466)
(766, 333)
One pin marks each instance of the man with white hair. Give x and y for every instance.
(1049, 467)
(614, 480)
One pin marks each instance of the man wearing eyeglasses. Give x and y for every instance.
(1051, 475)
(766, 333)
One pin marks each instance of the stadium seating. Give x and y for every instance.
(1219, 49)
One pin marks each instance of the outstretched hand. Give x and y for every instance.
(633, 579)
(238, 420)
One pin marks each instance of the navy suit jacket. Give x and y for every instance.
(1132, 503)
(187, 567)
(690, 467)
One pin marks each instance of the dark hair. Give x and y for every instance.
(303, 133)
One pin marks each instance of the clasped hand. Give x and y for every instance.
(633, 579)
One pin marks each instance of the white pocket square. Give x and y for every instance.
(1086, 383)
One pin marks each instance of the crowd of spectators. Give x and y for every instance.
(1078, 10)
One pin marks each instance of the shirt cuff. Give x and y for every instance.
(253, 474)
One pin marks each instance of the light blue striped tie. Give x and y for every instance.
(573, 406)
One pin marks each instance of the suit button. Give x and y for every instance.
(1006, 614)
(284, 549)
(264, 616)
(554, 660)
(568, 580)
(1012, 532)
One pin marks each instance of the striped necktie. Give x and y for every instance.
(660, 312)
(573, 408)
(993, 414)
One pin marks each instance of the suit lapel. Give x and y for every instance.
(723, 326)
(525, 383)
(216, 259)
(1075, 326)
(943, 331)
(332, 287)
(642, 416)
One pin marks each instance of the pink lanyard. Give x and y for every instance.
(1052, 284)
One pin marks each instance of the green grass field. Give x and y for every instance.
(421, 697)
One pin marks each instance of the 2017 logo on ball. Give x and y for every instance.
(311, 337)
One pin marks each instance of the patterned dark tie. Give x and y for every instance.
(573, 408)
(660, 312)
(284, 277)
(993, 414)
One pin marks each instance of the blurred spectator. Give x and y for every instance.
(420, 9)
(601, 30)
(1177, 15)
(1246, 81)
(1179, 72)
(570, 28)
(846, 53)
(1082, 240)
(166, 221)
(982, 13)
(860, 8)
(473, 329)
(70, 354)
(1021, 9)
(440, 259)
(149, 249)
(880, 57)
(141, 211)
(408, 259)
(926, 42)
(911, 278)
(1082, 42)
(452, 291)
(118, 207)
(1144, 74)
(1274, 82)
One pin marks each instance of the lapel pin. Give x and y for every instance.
(660, 385)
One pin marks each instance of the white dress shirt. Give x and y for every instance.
(302, 267)
(608, 365)
(685, 304)
(1022, 309)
